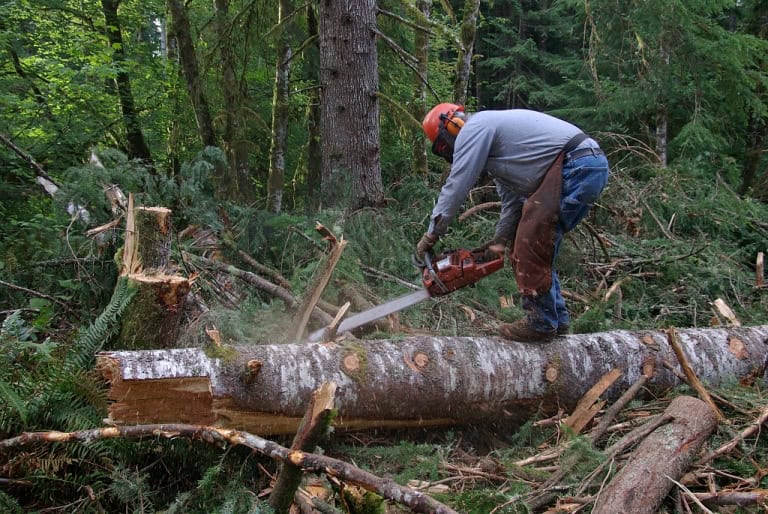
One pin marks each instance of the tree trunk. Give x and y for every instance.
(188, 59)
(419, 381)
(153, 234)
(467, 40)
(421, 52)
(662, 136)
(280, 109)
(646, 478)
(350, 122)
(314, 112)
(236, 184)
(153, 317)
(137, 145)
(757, 126)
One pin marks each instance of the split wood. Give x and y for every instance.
(693, 380)
(598, 432)
(313, 427)
(334, 468)
(323, 277)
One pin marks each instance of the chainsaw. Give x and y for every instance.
(442, 274)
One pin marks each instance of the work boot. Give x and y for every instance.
(563, 330)
(522, 331)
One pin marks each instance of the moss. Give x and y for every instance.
(359, 351)
(224, 352)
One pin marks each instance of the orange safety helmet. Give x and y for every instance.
(442, 113)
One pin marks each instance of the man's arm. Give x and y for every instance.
(473, 145)
(511, 210)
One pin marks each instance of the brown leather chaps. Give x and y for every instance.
(534, 246)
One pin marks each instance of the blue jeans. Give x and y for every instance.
(583, 181)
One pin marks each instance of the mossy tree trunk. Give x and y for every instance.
(419, 109)
(152, 319)
(136, 145)
(191, 70)
(280, 108)
(466, 51)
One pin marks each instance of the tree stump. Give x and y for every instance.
(153, 317)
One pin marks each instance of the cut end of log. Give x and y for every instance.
(351, 362)
(551, 373)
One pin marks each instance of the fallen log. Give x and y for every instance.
(650, 473)
(418, 381)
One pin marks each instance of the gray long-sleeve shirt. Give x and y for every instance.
(515, 147)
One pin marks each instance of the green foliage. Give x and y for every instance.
(47, 385)
(402, 462)
(482, 501)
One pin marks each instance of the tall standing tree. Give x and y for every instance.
(314, 110)
(664, 66)
(182, 33)
(237, 185)
(136, 144)
(349, 78)
(280, 107)
(466, 50)
(421, 52)
(756, 21)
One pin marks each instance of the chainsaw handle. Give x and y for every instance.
(429, 268)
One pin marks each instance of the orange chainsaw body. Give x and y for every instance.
(455, 269)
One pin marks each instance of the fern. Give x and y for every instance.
(9, 397)
(91, 339)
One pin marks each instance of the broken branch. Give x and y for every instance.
(389, 489)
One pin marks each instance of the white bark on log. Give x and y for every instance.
(647, 477)
(419, 381)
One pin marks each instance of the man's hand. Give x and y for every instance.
(493, 248)
(426, 243)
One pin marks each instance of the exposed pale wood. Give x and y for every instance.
(323, 277)
(460, 380)
(724, 311)
(589, 406)
(644, 480)
(313, 427)
(693, 380)
(760, 270)
(131, 263)
(618, 405)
